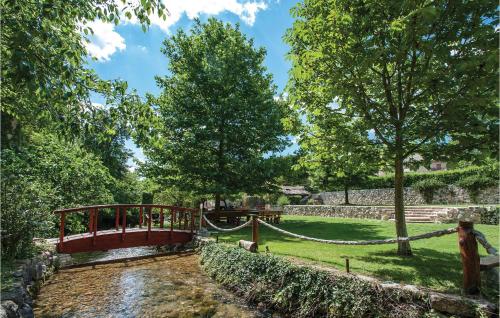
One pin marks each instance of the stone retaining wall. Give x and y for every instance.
(444, 214)
(17, 301)
(449, 195)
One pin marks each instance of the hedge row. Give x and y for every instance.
(446, 177)
(301, 291)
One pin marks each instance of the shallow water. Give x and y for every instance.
(166, 286)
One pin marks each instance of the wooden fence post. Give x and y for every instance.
(470, 258)
(255, 228)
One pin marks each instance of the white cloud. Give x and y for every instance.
(143, 48)
(105, 41)
(246, 10)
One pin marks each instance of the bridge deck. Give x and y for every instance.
(112, 239)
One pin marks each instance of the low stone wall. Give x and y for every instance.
(17, 301)
(449, 195)
(476, 214)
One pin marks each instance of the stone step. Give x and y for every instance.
(413, 220)
(421, 214)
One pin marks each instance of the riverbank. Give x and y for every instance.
(22, 279)
(308, 291)
(436, 262)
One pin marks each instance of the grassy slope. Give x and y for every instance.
(435, 264)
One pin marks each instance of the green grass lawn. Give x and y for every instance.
(435, 264)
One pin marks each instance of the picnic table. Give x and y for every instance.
(234, 216)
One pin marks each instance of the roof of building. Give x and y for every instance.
(294, 190)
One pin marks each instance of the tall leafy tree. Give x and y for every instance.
(217, 122)
(45, 78)
(417, 72)
(337, 152)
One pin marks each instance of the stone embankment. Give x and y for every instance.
(17, 299)
(476, 214)
(448, 195)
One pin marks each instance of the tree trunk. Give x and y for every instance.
(346, 196)
(403, 247)
(217, 202)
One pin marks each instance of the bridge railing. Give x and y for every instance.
(185, 217)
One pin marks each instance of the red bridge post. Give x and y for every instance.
(61, 230)
(149, 222)
(140, 217)
(161, 218)
(124, 222)
(91, 220)
(95, 212)
(172, 218)
(117, 218)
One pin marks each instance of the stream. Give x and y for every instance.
(164, 286)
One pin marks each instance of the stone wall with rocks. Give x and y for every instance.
(476, 214)
(17, 300)
(449, 195)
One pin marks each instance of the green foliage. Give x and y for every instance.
(427, 187)
(448, 177)
(216, 121)
(474, 183)
(301, 291)
(174, 196)
(47, 83)
(26, 213)
(337, 152)
(491, 216)
(46, 175)
(290, 172)
(420, 75)
(127, 189)
(283, 200)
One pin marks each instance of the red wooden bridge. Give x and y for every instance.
(180, 227)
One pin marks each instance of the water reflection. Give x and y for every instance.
(167, 286)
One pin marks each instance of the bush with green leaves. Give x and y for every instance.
(26, 213)
(475, 183)
(283, 200)
(300, 291)
(427, 187)
(447, 176)
(45, 175)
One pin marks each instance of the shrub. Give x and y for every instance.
(26, 213)
(447, 177)
(473, 184)
(301, 291)
(427, 187)
(283, 200)
(490, 216)
(46, 175)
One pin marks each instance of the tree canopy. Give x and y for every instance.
(417, 73)
(217, 121)
(338, 153)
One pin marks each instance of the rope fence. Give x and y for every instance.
(472, 264)
(239, 227)
(484, 242)
(370, 242)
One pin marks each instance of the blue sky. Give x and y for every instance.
(126, 52)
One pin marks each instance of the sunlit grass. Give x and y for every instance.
(435, 264)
